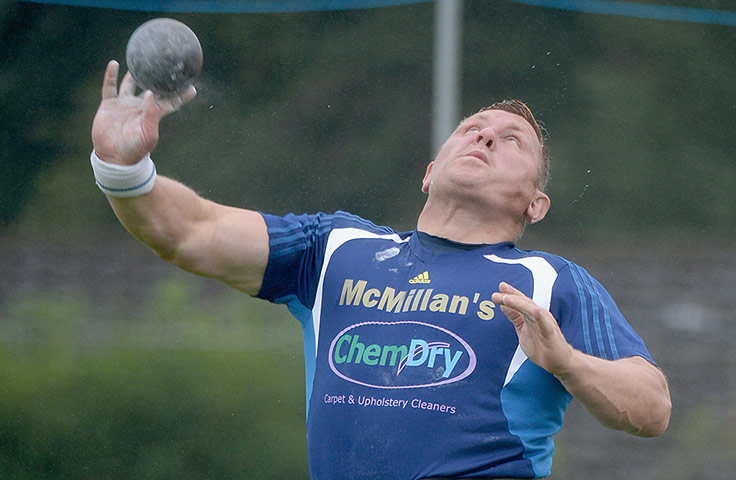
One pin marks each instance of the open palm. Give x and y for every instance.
(125, 127)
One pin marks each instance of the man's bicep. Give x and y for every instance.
(228, 244)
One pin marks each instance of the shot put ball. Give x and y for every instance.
(163, 55)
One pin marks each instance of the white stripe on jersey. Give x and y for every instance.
(336, 239)
(543, 277)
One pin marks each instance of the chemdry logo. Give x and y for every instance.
(429, 355)
(421, 278)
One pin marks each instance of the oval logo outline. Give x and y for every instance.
(468, 370)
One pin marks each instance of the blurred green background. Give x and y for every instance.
(114, 365)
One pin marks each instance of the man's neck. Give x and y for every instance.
(466, 226)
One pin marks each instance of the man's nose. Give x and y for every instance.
(486, 136)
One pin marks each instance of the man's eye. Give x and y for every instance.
(512, 138)
(473, 130)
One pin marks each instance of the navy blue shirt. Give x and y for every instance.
(411, 370)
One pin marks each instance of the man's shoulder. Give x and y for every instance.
(569, 274)
(320, 223)
(342, 219)
(556, 261)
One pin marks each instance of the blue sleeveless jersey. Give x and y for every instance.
(411, 370)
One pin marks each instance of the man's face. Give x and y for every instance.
(492, 156)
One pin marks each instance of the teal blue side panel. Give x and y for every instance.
(534, 403)
(304, 315)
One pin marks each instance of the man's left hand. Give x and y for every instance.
(539, 334)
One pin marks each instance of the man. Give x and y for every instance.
(444, 352)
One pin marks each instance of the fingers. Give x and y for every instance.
(148, 102)
(127, 86)
(110, 82)
(174, 102)
(151, 111)
(509, 296)
(517, 307)
(512, 304)
(189, 94)
(520, 309)
(506, 288)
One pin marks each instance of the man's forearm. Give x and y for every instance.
(198, 235)
(163, 217)
(629, 394)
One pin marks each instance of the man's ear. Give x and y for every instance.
(427, 178)
(538, 208)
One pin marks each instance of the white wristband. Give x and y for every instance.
(124, 180)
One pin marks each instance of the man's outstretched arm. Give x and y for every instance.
(628, 394)
(193, 233)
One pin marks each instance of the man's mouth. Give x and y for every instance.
(478, 154)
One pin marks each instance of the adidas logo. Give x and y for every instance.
(421, 278)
